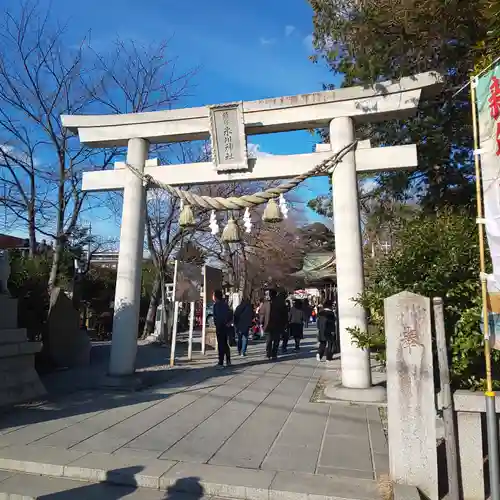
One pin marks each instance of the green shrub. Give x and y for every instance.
(28, 284)
(435, 256)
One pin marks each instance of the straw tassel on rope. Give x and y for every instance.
(272, 212)
(239, 203)
(231, 233)
(186, 217)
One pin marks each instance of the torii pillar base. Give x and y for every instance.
(337, 392)
(124, 383)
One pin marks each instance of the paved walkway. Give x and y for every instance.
(251, 427)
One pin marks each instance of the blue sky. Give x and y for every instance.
(244, 50)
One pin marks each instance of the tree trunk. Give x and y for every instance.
(243, 278)
(149, 325)
(228, 257)
(32, 242)
(56, 262)
(31, 231)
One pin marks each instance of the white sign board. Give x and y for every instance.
(189, 282)
(227, 133)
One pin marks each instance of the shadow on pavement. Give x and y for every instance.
(188, 488)
(95, 399)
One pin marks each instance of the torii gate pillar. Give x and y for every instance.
(129, 272)
(356, 372)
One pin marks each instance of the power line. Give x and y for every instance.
(466, 84)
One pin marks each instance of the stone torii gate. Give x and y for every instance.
(339, 109)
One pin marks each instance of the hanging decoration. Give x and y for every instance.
(272, 212)
(283, 206)
(186, 217)
(214, 226)
(247, 221)
(275, 211)
(231, 233)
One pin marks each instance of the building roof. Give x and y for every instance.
(8, 242)
(317, 266)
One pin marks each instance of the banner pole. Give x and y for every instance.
(491, 420)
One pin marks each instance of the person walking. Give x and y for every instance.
(243, 316)
(327, 327)
(274, 319)
(258, 317)
(306, 308)
(222, 319)
(265, 314)
(296, 323)
(314, 314)
(286, 332)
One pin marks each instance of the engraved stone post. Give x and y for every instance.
(410, 392)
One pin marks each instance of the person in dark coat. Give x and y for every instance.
(306, 308)
(243, 317)
(222, 315)
(286, 333)
(296, 323)
(327, 328)
(275, 318)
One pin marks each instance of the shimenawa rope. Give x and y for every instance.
(249, 200)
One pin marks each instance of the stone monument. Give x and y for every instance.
(410, 393)
(69, 346)
(4, 272)
(19, 381)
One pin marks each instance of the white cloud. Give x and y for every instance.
(156, 195)
(13, 154)
(329, 43)
(289, 29)
(254, 151)
(308, 42)
(267, 41)
(368, 185)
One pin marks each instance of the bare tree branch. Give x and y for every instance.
(42, 78)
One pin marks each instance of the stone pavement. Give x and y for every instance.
(249, 431)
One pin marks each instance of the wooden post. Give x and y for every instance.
(163, 314)
(176, 319)
(446, 401)
(204, 312)
(191, 328)
(174, 333)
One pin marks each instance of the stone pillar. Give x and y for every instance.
(355, 362)
(470, 448)
(128, 278)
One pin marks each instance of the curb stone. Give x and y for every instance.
(218, 481)
(405, 492)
